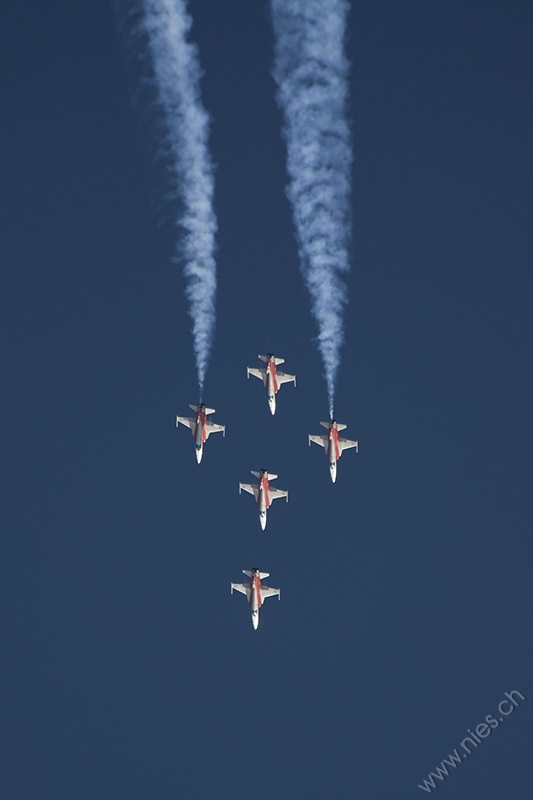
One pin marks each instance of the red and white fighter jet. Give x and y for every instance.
(271, 377)
(263, 493)
(201, 427)
(333, 444)
(255, 592)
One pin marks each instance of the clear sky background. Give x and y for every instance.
(128, 669)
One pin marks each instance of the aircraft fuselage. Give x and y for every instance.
(200, 433)
(271, 384)
(255, 598)
(333, 451)
(263, 500)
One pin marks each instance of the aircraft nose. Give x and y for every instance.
(272, 404)
(255, 620)
(199, 453)
(263, 520)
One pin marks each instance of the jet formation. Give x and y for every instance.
(263, 492)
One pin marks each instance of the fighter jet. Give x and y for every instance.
(255, 592)
(333, 444)
(271, 377)
(263, 493)
(201, 427)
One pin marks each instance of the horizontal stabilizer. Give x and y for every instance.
(276, 360)
(261, 574)
(340, 426)
(326, 425)
(207, 410)
(270, 475)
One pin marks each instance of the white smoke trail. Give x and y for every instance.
(310, 69)
(189, 169)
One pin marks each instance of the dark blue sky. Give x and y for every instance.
(128, 668)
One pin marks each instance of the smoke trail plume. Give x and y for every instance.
(165, 24)
(310, 69)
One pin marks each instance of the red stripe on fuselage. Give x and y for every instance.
(201, 420)
(271, 367)
(333, 439)
(256, 582)
(264, 485)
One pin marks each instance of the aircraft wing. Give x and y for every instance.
(321, 440)
(259, 373)
(251, 488)
(282, 377)
(266, 591)
(190, 422)
(212, 427)
(275, 493)
(243, 588)
(345, 444)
